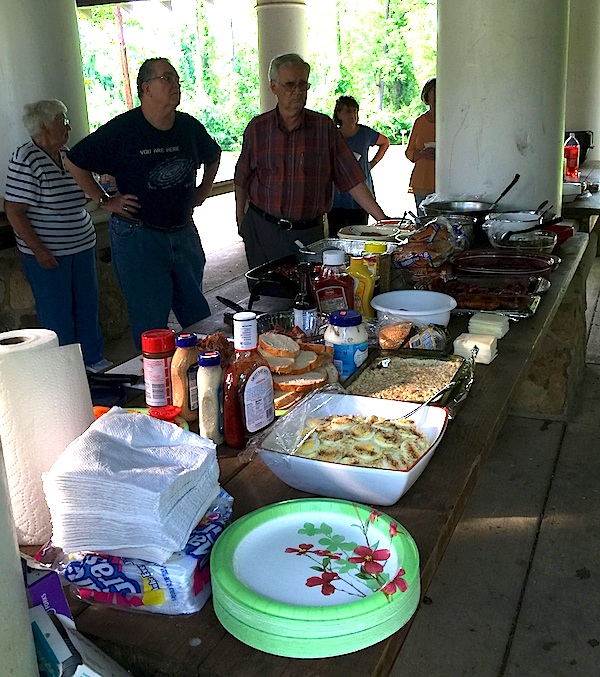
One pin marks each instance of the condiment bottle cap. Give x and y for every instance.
(158, 341)
(334, 257)
(186, 340)
(375, 247)
(209, 358)
(166, 413)
(345, 318)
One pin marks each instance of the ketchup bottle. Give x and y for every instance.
(334, 288)
(571, 151)
(248, 388)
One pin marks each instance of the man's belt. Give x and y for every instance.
(146, 224)
(286, 224)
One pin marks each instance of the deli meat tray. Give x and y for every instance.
(412, 376)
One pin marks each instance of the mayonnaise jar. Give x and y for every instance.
(348, 337)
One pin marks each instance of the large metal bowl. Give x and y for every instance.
(472, 208)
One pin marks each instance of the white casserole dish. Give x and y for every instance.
(372, 486)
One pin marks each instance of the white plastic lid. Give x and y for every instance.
(333, 257)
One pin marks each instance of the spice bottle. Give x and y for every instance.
(363, 285)
(158, 346)
(210, 396)
(248, 387)
(183, 376)
(571, 153)
(305, 304)
(350, 341)
(334, 288)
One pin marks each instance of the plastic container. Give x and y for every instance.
(158, 347)
(334, 288)
(184, 366)
(364, 284)
(210, 396)
(571, 153)
(348, 337)
(415, 305)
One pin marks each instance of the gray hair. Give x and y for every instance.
(41, 113)
(285, 60)
(146, 72)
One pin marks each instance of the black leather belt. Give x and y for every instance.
(145, 224)
(286, 224)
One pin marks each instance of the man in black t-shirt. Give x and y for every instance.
(154, 152)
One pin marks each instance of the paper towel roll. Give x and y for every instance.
(16, 638)
(45, 404)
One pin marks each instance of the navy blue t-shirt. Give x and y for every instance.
(158, 166)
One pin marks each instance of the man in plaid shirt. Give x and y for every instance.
(291, 158)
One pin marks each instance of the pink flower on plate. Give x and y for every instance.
(393, 529)
(324, 581)
(374, 515)
(368, 558)
(302, 549)
(327, 553)
(396, 583)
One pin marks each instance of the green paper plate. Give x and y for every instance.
(261, 563)
(304, 647)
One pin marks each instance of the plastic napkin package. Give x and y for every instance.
(180, 586)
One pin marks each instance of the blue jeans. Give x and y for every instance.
(66, 300)
(158, 270)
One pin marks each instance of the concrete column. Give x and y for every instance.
(583, 71)
(501, 98)
(281, 30)
(41, 59)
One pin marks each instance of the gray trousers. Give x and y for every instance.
(266, 241)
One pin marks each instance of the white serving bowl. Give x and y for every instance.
(571, 191)
(415, 305)
(373, 486)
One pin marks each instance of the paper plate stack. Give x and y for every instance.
(313, 578)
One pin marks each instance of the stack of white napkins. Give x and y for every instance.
(487, 347)
(132, 486)
(491, 324)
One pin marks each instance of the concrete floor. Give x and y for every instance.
(517, 593)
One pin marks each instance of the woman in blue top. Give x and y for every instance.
(346, 211)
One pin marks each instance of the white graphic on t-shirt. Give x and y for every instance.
(171, 172)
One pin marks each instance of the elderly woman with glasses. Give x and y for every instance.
(54, 232)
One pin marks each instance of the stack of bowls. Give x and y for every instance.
(314, 578)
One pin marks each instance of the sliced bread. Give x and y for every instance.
(286, 398)
(278, 365)
(319, 348)
(300, 382)
(305, 361)
(278, 345)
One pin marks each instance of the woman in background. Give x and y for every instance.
(346, 211)
(55, 234)
(421, 148)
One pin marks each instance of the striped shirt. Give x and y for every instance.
(56, 204)
(291, 174)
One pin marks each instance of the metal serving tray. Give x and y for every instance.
(450, 399)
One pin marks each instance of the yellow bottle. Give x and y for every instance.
(364, 285)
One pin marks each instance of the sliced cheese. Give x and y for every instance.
(486, 344)
(491, 324)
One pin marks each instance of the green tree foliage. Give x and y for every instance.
(379, 51)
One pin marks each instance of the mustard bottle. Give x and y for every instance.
(364, 285)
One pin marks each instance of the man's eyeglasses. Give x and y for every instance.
(169, 78)
(302, 85)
